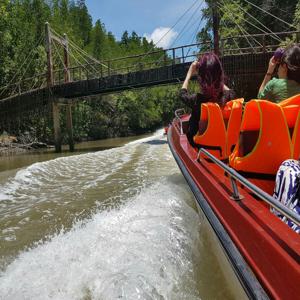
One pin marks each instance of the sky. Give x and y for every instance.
(150, 18)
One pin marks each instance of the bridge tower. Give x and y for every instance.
(57, 103)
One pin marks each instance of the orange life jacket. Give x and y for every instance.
(265, 140)
(219, 128)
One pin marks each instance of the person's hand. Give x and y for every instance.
(193, 70)
(272, 65)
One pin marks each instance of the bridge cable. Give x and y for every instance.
(187, 23)
(243, 31)
(194, 38)
(85, 67)
(239, 27)
(60, 58)
(225, 10)
(270, 31)
(80, 53)
(236, 44)
(79, 63)
(290, 25)
(17, 85)
(181, 32)
(160, 58)
(87, 63)
(79, 49)
(24, 62)
(23, 75)
(178, 20)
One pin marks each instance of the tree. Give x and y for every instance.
(82, 22)
(98, 37)
(125, 39)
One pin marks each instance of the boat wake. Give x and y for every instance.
(142, 250)
(105, 225)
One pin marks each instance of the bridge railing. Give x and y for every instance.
(31, 83)
(236, 45)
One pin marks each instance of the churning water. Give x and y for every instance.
(113, 224)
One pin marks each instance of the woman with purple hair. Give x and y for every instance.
(210, 75)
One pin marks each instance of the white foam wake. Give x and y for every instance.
(143, 250)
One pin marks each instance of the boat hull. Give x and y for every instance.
(263, 251)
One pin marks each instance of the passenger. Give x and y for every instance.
(212, 89)
(287, 189)
(288, 82)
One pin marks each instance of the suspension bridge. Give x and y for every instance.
(244, 67)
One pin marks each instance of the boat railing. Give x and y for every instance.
(235, 176)
(178, 113)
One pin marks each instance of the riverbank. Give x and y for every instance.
(11, 145)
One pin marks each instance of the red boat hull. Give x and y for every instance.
(269, 247)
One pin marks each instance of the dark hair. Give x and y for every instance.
(291, 57)
(211, 77)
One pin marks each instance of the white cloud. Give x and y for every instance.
(163, 35)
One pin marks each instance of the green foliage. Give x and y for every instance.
(297, 16)
(22, 26)
(240, 18)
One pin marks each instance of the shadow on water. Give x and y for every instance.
(156, 142)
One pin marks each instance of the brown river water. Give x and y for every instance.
(113, 220)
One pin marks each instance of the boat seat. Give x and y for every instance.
(247, 141)
(232, 114)
(218, 128)
(296, 138)
(264, 141)
(290, 106)
(291, 114)
(294, 100)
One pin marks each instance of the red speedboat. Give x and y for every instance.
(263, 251)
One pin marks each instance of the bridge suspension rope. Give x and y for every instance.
(274, 35)
(279, 19)
(243, 31)
(83, 53)
(186, 24)
(27, 63)
(193, 38)
(159, 60)
(171, 28)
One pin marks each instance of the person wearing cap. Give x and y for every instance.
(288, 82)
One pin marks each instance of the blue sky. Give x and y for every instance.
(149, 18)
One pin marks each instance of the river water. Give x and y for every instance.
(119, 223)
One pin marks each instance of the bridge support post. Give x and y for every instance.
(70, 126)
(56, 125)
